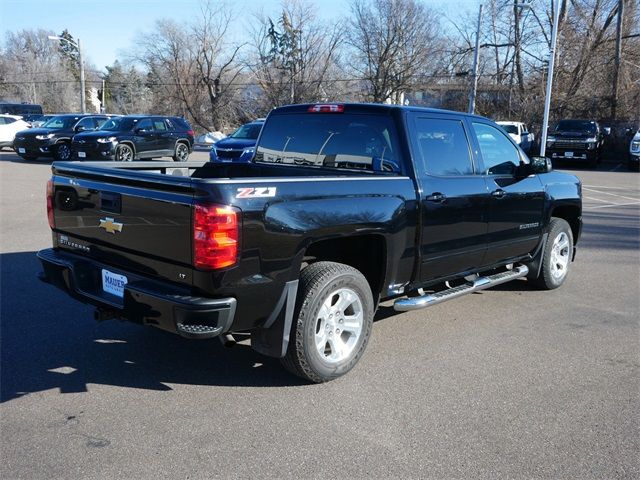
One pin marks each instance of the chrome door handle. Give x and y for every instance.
(498, 193)
(436, 197)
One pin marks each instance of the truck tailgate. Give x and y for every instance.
(150, 217)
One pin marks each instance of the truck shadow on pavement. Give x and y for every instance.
(48, 340)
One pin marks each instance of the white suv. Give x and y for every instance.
(9, 126)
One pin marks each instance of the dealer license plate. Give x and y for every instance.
(113, 283)
(22, 150)
(568, 154)
(82, 155)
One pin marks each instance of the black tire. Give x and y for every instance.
(62, 152)
(124, 153)
(324, 283)
(549, 277)
(181, 153)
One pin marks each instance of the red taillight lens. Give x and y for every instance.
(326, 108)
(215, 236)
(190, 132)
(52, 220)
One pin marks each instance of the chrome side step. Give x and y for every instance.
(480, 283)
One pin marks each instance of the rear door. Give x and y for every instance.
(145, 138)
(453, 198)
(164, 140)
(515, 209)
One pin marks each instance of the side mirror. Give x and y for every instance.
(540, 165)
(607, 130)
(80, 128)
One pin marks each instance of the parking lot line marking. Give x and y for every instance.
(607, 187)
(612, 194)
(612, 205)
(597, 199)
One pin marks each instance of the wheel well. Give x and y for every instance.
(366, 253)
(570, 214)
(128, 144)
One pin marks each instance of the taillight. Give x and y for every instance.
(52, 220)
(215, 236)
(190, 132)
(326, 108)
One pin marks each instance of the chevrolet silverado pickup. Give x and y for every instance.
(343, 206)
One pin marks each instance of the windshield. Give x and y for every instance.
(60, 122)
(510, 128)
(576, 126)
(249, 131)
(116, 124)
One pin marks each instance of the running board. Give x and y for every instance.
(480, 283)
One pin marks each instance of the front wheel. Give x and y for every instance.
(556, 256)
(181, 153)
(333, 322)
(124, 153)
(62, 152)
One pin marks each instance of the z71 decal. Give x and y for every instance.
(258, 192)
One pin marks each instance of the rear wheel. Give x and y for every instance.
(124, 153)
(181, 153)
(333, 322)
(62, 152)
(557, 255)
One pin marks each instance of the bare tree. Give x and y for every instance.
(194, 67)
(393, 42)
(294, 59)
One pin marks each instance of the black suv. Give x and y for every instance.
(576, 140)
(53, 138)
(133, 137)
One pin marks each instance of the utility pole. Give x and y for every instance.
(552, 59)
(104, 107)
(476, 55)
(616, 71)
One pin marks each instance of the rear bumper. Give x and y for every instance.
(145, 301)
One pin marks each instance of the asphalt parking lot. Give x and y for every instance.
(507, 383)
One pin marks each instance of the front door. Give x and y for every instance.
(516, 205)
(454, 199)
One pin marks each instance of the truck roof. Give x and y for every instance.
(368, 108)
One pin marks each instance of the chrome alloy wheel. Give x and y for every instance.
(560, 255)
(182, 152)
(124, 154)
(339, 325)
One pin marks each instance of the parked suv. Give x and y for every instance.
(634, 152)
(579, 140)
(53, 138)
(9, 126)
(239, 146)
(136, 137)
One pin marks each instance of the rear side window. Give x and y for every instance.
(145, 124)
(179, 124)
(344, 141)
(443, 147)
(159, 125)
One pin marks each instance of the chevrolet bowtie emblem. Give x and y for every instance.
(110, 225)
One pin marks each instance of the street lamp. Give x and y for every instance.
(79, 47)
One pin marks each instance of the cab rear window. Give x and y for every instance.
(342, 141)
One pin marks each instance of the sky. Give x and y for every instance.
(107, 28)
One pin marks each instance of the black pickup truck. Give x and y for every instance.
(343, 206)
(578, 141)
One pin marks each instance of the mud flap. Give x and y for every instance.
(272, 339)
(536, 264)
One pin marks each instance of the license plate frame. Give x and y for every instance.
(113, 283)
(568, 154)
(22, 150)
(82, 155)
